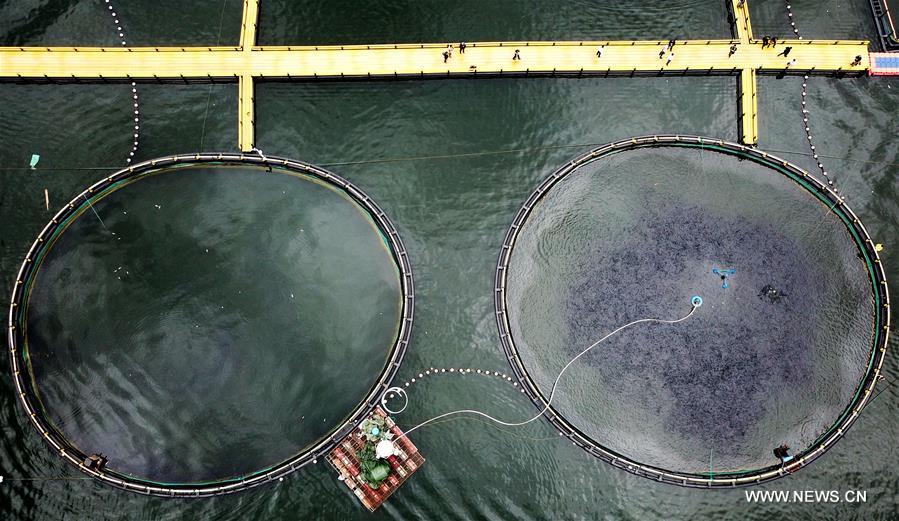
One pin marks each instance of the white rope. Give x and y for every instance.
(695, 304)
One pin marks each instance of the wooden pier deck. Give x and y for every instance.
(246, 62)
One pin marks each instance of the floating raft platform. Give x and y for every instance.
(344, 460)
(885, 64)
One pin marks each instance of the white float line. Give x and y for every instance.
(792, 21)
(805, 111)
(134, 94)
(434, 371)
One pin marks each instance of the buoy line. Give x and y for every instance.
(452, 370)
(393, 392)
(400, 390)
(134, 94)
(806, 113)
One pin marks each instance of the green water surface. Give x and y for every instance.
(452, 213)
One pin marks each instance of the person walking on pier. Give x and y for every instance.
(670, 57)
(857, 61)
(462, 47)
(668, 46)
(773, 42)
(599, 51)
(733, 49)
(765, 41)
(791, 63)
(785, 52)
(446, 56)
(449, 50)
(517, 55)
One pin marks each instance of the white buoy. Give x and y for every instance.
(384, 449)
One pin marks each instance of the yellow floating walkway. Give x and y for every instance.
(749, 120)
(246, 113)
(743, 24)
(244, 63)
(249, 23)
(387, 60)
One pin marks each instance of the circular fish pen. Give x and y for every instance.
(325, 187)
(599, 244)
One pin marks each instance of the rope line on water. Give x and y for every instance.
(806, 113)
(507, 432)
(513, 434)
(885, 387)
(694, 305)
(134, 94)
(218, 42)
(4, 479)
(453, 156)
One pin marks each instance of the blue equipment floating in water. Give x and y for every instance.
(724, 274)
(34, 159)
(696, 301)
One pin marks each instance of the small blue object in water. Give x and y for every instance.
(724, 273)
(696, 301)
(375, 431)
(34, 159)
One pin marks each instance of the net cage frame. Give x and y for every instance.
(730, 479)
(18, 348)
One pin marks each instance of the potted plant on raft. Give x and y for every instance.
(375, 469)
(375, 428)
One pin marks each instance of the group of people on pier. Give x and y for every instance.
(448, 53)
(667, 51)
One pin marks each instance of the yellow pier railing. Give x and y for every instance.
(244, 63)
